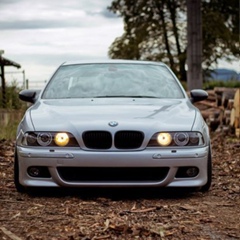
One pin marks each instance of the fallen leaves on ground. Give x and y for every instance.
(70, 214)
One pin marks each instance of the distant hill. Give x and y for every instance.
(222, 74)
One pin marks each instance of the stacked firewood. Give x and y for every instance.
(221, 110)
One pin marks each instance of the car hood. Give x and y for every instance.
(130, 114)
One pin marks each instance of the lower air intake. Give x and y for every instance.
(112, 174)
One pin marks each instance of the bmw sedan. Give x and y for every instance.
(114, 123)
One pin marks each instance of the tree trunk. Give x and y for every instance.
(170, 57)
(194, 45)
(3, 87)
(172, 6)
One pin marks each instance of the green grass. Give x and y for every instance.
(227, 84)
(9, 122)
(212, 84)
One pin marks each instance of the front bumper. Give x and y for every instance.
(150, 157)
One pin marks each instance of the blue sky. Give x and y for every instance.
(40, 35)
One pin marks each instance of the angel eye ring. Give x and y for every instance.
(44, 139)
(181, 138)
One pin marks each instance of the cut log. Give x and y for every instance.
(237, 132)
(226, 117)
(232, 118)
(235, 114)
(222, 109)
(236, 106)
(209, 104)
(218, 100)
(212, 113)
(226, 95)
(230, 104)
(223, 94)
(213, 123)
(218, 93)
(211, 96)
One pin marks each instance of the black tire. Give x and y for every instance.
(20, 188)
(207, 186)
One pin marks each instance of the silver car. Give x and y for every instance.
(115, 123)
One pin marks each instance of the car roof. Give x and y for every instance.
(112, 61)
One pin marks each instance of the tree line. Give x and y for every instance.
(157, 30)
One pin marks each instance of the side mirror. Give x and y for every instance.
(198, 95)
(29, 95)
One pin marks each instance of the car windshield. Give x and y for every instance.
(113, 80)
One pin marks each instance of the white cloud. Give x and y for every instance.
(40, 35)
(235, 65)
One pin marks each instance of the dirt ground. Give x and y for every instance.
(125, 213)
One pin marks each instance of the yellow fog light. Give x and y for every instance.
(61, 139)
(164, 139)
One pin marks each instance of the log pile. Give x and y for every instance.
(221, 110)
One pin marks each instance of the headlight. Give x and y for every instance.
(44, 139)
(61, 139)
(49, 139)
(180, 139)
(30, 139)
(164, 139)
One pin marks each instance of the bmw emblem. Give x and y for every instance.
(113, 124)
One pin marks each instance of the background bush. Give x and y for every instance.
(11, 115)
(12, 99)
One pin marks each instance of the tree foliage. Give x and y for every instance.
(156, 30)
(220, 30)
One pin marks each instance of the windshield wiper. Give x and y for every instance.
(124, 96)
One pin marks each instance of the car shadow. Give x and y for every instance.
(115, 194)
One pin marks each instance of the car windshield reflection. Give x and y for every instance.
(113, 80)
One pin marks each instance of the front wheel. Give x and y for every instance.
(20, 188)
(207, 186)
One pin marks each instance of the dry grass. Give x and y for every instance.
(9, 120)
